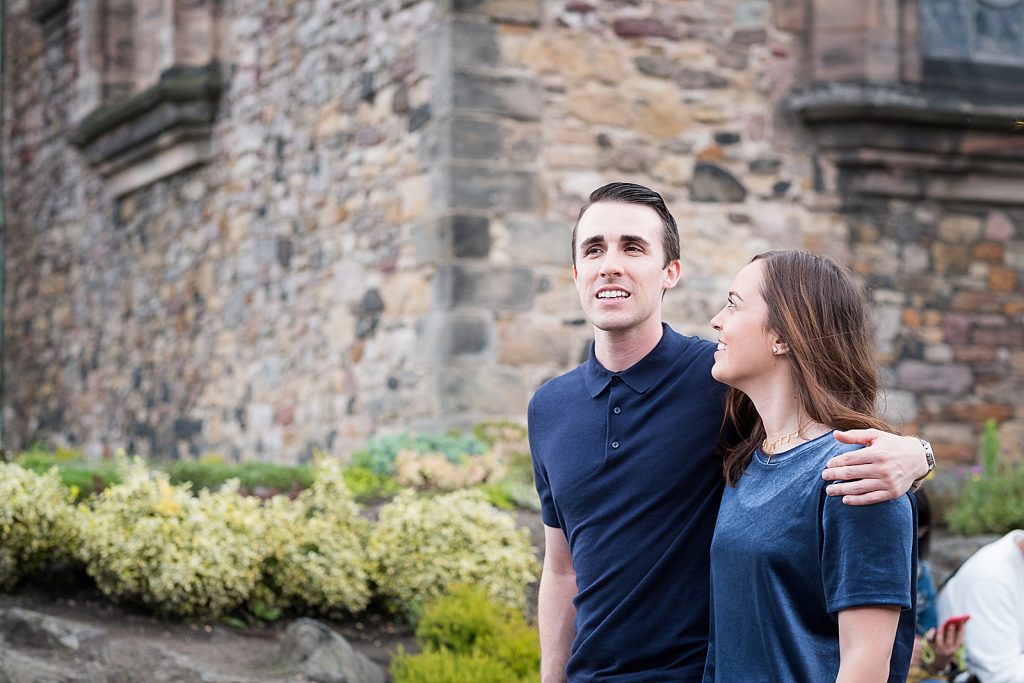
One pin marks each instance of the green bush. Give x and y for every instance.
(467, 630)
(83, 478)
(992, 498)
(315, 548)
(382, 451)
(466, 620)
(148, 541)
(209, 472)
(445, 666)
(37, 522)
(422, 546)
(368, 486)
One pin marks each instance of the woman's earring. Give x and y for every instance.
(775, 349)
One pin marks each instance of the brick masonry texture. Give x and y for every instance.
(379, 239)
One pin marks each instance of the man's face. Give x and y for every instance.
(620, 270)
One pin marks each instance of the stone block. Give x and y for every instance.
(643, 27)
(998, 226)
(496, 189)
(897, 407)
(473, 139)
(951, 379)
(658, 66)
(539, 241)
(451, 335)
(459, 236)
(522, 342)
(608, 107)
(950, 258)
(483, 286)
(662, 117)
(960, 229)
(989, 252)
(712, 183)
(514, 97)
(791, 15)
(979, 413)
(492, 390)
(694, 79)
(1002, 280)
(474, 44)
(1014, 257)
(520, 12)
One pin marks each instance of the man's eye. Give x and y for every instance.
(729, 303)
(634, 247)
(592, 250)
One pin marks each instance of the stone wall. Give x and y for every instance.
(379, 238)
(259, 305)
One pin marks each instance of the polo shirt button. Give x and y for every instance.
(616, 378)
(616, 410)
(615, 444)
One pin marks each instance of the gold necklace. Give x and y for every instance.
(770, 448)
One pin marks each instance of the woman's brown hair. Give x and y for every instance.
(818, 310)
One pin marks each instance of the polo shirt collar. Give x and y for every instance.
(640, 376)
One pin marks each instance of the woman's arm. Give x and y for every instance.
(866, 635)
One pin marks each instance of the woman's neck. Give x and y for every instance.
(782, 416)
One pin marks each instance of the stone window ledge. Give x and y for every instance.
(838, 102)
(154, 133)
(913, 142)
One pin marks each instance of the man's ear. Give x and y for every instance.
(673, 271)
(575, 277)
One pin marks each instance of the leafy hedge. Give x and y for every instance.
(149, 541)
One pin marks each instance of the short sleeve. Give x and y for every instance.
(540, 476)
(868, 553)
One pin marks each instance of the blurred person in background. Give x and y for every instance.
(989, 587)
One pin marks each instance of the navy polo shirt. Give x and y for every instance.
(626, 465)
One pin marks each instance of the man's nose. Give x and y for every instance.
(611, 265)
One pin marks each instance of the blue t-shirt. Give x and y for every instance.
(626, 466)
(786, 559)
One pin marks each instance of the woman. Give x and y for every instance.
(803, 588)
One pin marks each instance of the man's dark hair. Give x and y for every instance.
(631, 193)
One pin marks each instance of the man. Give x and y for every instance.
(990, 588)
(624, 451)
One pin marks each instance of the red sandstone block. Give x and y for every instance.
(643, 27)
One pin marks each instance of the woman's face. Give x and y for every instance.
(744, 353)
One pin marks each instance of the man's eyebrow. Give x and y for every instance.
(636, 239)
(735, 295)
(594, 239)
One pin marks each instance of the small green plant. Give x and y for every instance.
(992, 499)
(84, 478)
(367, 486)
(465, 630)
(382, 451)
(445, 666)
(211, 472)
(988, 449)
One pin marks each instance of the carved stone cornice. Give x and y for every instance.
(158, 131)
